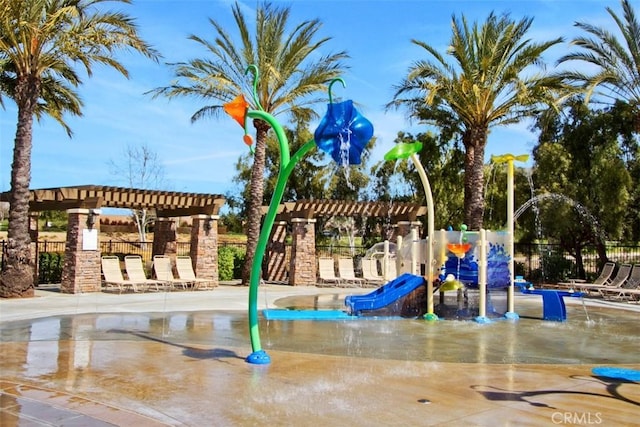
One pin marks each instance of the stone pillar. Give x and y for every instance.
(302, 266)
(165, 239)
(276, 254)
(81, 269)
(204, 246)
(33, 235)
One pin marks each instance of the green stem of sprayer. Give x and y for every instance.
(286, 167)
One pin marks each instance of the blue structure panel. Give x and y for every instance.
(282, 314)
(553, 307)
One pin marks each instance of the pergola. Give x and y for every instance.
(81, 270)
(165, 203)
(397, 211)
(300, 217)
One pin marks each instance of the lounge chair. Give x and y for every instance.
(327, 272)
(113, 275)
(135, 271)
(621, 276)
(347, 272)
(184, 266)
(603, 279)
(628, 289)
(370, 272)
(164, 271)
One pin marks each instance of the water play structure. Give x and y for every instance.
(444, 261)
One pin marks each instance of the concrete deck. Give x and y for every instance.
(104, 366)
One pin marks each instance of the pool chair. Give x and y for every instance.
(624, 270)
(184, 266)
(370, 272)
(163, 270)
(347, 272)
(603, 279)
(327, 273)
(628, 290)
(135, 271)
(112, 275)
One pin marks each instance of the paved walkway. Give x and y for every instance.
(224, 297)
(214, 386)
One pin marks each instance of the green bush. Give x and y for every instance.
(230, 260)
(50, 267)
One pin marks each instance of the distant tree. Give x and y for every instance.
(444, 163)
(140, 168)
(4, 210)
(489, 82)
(615, 58)
(613, 80)
(307, 181)
(579, 158)
(42, 42)
(292, 70)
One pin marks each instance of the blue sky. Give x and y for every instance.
(200, 157)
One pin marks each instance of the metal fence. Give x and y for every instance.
(537, 262)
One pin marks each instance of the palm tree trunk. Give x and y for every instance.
(254, 212)
(474, 141)
(16, 278)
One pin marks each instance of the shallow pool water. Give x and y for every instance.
(595, 335)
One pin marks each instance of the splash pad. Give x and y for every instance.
(343, 133)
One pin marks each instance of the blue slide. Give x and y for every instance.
(385, 295)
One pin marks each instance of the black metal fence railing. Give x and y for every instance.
(539, 263)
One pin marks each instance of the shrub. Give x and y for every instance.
(230, 260)
(50, 267)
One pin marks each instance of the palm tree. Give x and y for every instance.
(41, 43)
(617, 60)
(488, 82)
(291, 70)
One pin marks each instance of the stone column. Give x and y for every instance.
(204, 246)
(302, 266)
(276, 254)
(165, 239)
(33, 235)
(81, 269)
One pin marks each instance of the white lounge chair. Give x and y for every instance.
(135, 271)
(184, 266)
(347, 272)
(113, 275)
(164, 271)
(327, 272)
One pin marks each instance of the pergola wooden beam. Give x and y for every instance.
(329, 208)
(165, 203)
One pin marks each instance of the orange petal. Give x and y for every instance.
(237, 109)
(247, 139)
